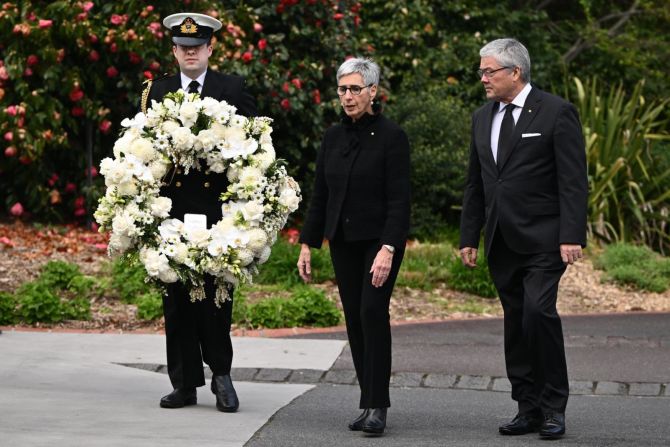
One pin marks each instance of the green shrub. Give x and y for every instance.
(76, 309)
(149, 306)
(477, 281)
(82, 285)
(39, 303)
(128, 279)
(425, 266)
(281, 267)
(58, 274)
(306, 306)
(8, 313)
(636, 266)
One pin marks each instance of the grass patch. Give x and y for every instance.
(425, 266)
(635, 266)
(476, 281)
(281, 267)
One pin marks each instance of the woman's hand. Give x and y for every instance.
(381, 267)
(305, 263)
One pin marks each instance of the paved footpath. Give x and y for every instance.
(448, 388)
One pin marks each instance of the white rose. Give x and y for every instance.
(128, 188)
(171, 230)
(198, 236)
(116, 173)
(289, 199)
(122, 144)
(142, 149)
(154, 261)
(233, 174)
(188, 114)
(181, 252)
(160, 206)
(168, 275)
(207, 139)
(253, 211)
(123, 224)
(169, 126)
(264, 160)
(158, 168)
(119, 243)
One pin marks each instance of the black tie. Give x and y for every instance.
(506, 131)
(193, 87)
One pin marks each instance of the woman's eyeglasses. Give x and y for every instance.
(354, 89)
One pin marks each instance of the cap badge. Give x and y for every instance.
(188, 26)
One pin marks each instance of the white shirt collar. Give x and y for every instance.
(185, 81)
(520, 99)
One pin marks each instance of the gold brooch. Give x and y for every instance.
(188, 26)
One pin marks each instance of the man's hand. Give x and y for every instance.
(571, 253)
(305, 263)
(381, 267)
(469, 257)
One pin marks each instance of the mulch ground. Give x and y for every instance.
(25, 248)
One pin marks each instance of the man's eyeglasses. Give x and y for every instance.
(489, 73)
(354, 89)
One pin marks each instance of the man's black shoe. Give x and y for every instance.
(375, 423)
(180, 397)
(226, 397)
(357, 424)
(553, 426)
(521, 425)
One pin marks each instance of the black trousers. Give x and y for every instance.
(534, 351)
(195, 332)
(366, 311)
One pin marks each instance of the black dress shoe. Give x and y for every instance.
(357, 424)
(180, 397)
(226, 397)
(375, 423)
(553, 426)
(521, 425)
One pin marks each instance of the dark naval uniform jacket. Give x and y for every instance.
(198, 192)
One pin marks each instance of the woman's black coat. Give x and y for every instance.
(362, 182)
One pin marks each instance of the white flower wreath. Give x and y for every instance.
(179, 132)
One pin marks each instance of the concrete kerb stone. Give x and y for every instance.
(423, 380)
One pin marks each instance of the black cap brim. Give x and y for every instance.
(190, 41)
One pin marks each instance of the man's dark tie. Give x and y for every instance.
(506, 131)
(193, 87)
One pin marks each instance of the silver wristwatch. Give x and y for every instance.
(390, 248)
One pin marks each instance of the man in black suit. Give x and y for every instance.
(197, 331)
(527, 185)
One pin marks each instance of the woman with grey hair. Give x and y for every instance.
(361, 204)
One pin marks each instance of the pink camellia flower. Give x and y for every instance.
(285, 104)
(87, 6)
(16, 210)
(20, 122)
(150, 8)
(60, 55)
(70, 187)
(53, 179)
(105, 126)
(94, 56)
(94, 171)
(77, 111)
(154, 66)
(79, 202)
(238, 43)
(113, 47)
(32, 16)
(76, 94)
(247, 56)
(93, 38)
(32, 60)
(43, 23)
(3, 74)
(116, 19)
(80, 212)
(296, 82)
(27, 72)
(316, 97)
(134, 58)
(148, 74)
(11, 110)
(9, 136)
(338, 16)
(82, 16)
(112, 72)
(262, 44)
(10, 151)
(258, 27)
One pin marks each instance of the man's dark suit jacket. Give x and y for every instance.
(537, 195)
(362, 184)
(199, 192)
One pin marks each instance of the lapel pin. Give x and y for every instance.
(529, 110)
(372, 133)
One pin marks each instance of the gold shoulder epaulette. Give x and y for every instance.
(145, 95)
